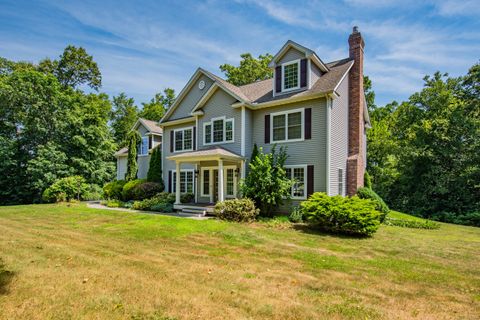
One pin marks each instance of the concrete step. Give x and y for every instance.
(200, 212)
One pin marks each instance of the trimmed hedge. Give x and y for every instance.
(162, 202)
(367, 193)
(146, 190)
(113, 190)
(347, 215)
(127, 191)
(240, 210)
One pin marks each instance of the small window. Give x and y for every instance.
(340, 181)
(218, 131)
(291, 75)
(287, 126)
(183, 139)
(186, 181)
(230, 183)
(143, 150)
(298, 174)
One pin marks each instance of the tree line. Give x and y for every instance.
(51, 128)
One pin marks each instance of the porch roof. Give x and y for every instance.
(214, 153)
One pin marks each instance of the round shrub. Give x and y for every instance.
(187, 198)
(127, 190)
(113, 190)
(66, 189)
(348, 215)
(162, 207)
(367, 193)
(240, 210)
(163, 200)
(146, 190)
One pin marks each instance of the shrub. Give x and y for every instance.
(145, 190)
(113, 190)
(65, 189)
(162, 199)
(348, 215)
(127, 190)
(296, 215)
(114, 203)
(240, 210)
(468, 219)
(155, 167)
(93, 192)
(187, 198)
(367, 193)
(416, 224)
(162, 207)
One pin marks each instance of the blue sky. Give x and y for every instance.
(144, 46)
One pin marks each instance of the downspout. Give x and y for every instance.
(329, 128)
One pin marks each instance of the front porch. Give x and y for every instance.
(215, 178)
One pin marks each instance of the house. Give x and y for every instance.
(151, 136)
(315, 109)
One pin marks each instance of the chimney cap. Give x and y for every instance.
(355, 29)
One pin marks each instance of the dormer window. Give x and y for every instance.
(143, 150)
(291, 75)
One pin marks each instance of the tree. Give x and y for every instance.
(132, 165)
(123, 117)
(155, 167)
(254, 152)
(75, 67)
(249, 70)
(369, 93)
(267, 183)
(156, 108)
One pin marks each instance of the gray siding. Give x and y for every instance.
(309, 152)
(315, 73)
(142, 130)
(290, 55)
(191, 98)
(121, 168)
(248, 133)
(143, 165)
(339, 138)
(219, 105)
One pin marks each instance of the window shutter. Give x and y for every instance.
(309, 180)
(170, 181)
(303, 73)
(267, 128)
(171, 141)
(150, 142)
(308, 123)
(278, 79)
(194, 142)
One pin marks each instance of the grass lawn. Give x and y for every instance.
(71, 262)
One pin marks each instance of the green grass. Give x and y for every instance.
(69, 261)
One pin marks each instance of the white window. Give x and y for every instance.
(230, 190)
(298, 174)
(143, 150)
(340, 181)
(186, 181)
(287, 126)
(183, 139)
(291, 75)
(218, 130)
(205, 182)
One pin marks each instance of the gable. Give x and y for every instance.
(190, 99)
(290, 55)
(141, 129)
(219, 104)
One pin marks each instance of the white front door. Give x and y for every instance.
(209, 183)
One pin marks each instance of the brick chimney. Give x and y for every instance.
(355, 161)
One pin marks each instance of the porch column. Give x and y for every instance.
(220, 180)
(243, 169)
(177, 183)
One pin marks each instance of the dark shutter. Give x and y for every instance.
(308, 123)
(267, 128)
(171, 141)
(194, 142)
(278, 79)
(170, 181)
(309, 180)
(150, 142)
(303, 73)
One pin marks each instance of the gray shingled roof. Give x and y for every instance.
(262, 91)
(151, 126)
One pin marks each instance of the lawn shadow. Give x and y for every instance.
(5, 278)
(325, 233)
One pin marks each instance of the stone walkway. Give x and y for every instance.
(98, 205)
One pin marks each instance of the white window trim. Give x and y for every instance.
(305, 167)
(174, 180)
(141, 143)
(286, 113)
(298, 75)
(183, 142)
(202, 180)
(211, 177)
(205, 124)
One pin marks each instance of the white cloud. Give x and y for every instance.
(456, 7)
